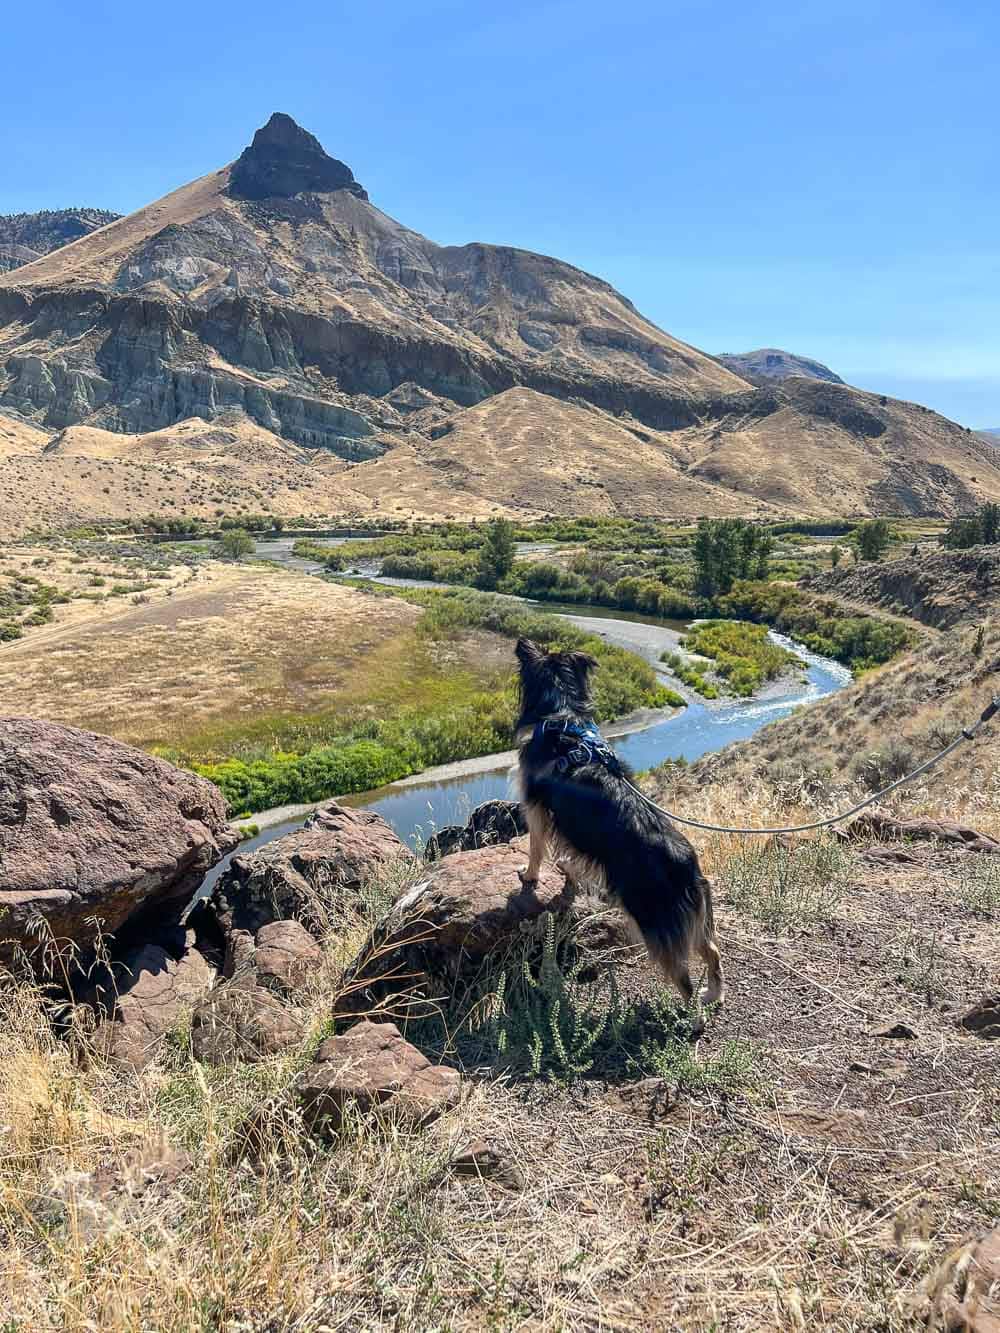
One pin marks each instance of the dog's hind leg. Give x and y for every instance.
(538, 836)
(708, 951)
(673, 967)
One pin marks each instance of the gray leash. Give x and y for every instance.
(966, 734)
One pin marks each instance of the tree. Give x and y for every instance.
(989, 523)
(872, 538)
(727, 549)
(236, 542)
(496, 555)
(962, 533)
(277, 523)
(835, 555)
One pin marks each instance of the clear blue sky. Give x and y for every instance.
(809, 174)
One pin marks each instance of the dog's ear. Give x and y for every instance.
(583, 664)
(527, 652)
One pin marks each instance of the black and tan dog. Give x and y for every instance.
(577, 797)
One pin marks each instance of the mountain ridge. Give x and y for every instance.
(323, 322)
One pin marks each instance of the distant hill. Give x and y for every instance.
(771, 363)
(25, 237)
(992, 434)
(380, 372)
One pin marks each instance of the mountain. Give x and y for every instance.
(991, 435)
(25, 237)
(771, 363)
(273, 302)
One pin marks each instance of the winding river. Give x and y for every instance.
(419, 805)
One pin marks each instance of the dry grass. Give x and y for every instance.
(821, 1193)
(222, 657)
(858, 740)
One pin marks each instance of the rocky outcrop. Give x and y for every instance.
(306, 874)
(285, 957)
(285, 160)
(490, 823)
(149, 994)
(771, 363)
(94, 833)
(373, 1068)
(936, 587)
(471, 905)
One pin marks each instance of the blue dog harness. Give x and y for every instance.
(576, 743)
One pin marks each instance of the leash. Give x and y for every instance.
(966, 734)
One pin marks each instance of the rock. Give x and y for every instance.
(286, 956)
(874, 826)
(150, 994)
(973, 1303)
(302, 876)
(984, 1018)
(242, 1022)
(897, 1032)
(472, 904)
(373, 1066)
(93, 833)
(285, 160)
(479, 1159)
(490, 823)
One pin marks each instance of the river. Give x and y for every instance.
(417, 806)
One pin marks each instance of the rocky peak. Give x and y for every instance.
(284, 160)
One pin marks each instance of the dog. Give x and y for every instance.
(576, 796)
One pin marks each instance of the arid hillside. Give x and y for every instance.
(771, 363)
(25, 237)
(936, 587)
(894, 717)
(273, 293)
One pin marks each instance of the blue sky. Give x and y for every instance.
(820, 176)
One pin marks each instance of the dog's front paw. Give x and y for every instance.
(526, 877)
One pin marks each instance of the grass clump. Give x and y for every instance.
(551, 1010)
(979, 884)
(785, 886)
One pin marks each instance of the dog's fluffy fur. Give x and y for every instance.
(604, 833)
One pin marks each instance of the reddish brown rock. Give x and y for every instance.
(304, 875)
(242, 1023)
(286, 956)
(885, 827)
(469, 905)
(92, 833)
(373, 1066)
(154, 992)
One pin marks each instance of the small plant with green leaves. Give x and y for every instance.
(979, 884)
(782, 886)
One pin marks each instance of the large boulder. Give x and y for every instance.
(373, 1066)
(470, 905)
(304, 874)
(152, 990)
(93, 833)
